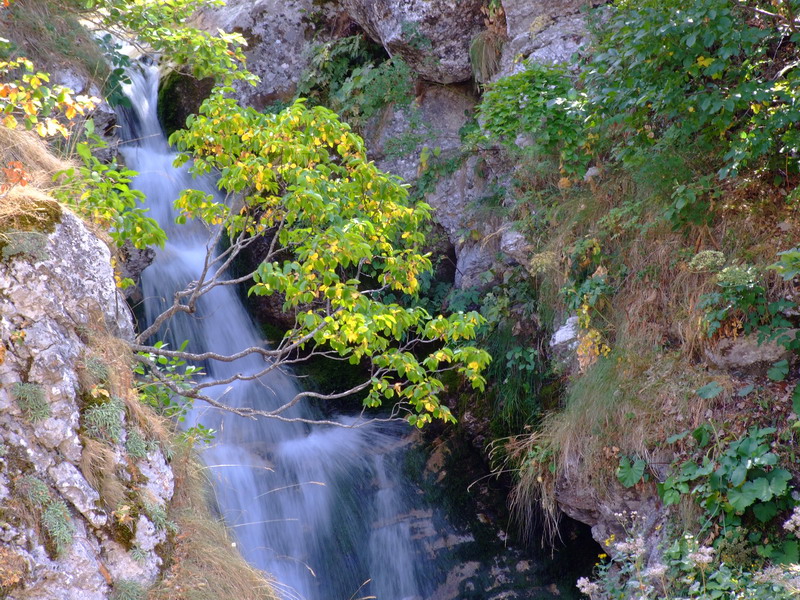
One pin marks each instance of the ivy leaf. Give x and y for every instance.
(708, 391)
(630, 473)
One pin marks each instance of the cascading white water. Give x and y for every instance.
(317, 507)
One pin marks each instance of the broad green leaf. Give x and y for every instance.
(779, 370)
(711, 390)
(630, 472)
(741, 498)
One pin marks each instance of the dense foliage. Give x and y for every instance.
(352, 232)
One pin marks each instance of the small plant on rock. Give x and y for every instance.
(31, 399)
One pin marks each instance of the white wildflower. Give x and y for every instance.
(656, 571)
(703, 556)
(632, 547)
(792, 524)
(587, 587)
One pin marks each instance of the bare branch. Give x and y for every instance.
(253, 413)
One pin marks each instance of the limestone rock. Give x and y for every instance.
(472, 235)
(396, 137)
(132, 261)
(432, 36)
(275, 31)
(543, 31)
(564, 343)
(515, 246)
(745, 354)
(52, 306)
(74, 487)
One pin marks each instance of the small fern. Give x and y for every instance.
(136, 446)
(33, 490)
(126, 589)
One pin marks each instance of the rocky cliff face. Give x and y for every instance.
(84, 482)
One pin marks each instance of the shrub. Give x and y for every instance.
(542, 103)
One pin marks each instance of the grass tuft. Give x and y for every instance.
(31, 400)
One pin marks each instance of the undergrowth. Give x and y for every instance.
(656, 187)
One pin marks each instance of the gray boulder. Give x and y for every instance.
(275, 31)
(432, 36)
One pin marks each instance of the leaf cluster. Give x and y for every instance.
(352, 234)
(101, 192)
(700, 72)
(542, 104)
(742, 482)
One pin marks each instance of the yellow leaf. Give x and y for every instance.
(756, 108)
(10, 122)
(704, 61)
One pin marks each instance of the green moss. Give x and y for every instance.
(179, 96)
(33, 215)
(29, 243)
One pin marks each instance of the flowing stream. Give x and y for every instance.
(323, 509)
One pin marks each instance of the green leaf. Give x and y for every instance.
(760, 488)
(711, 390)
(742, 392)
(778, 481)
(630, 473)
(779, 370)
(677, 437)
(741, 498)
(764, 511)
(796, 400)
(739, 475)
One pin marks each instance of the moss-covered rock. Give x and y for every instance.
(179, 96)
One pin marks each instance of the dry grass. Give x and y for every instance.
(29, 149)
(13, 569)
(29, 207)
(204, 563)
(100, 467)
(50, 34)
(625, 405)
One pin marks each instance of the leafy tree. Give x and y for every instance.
(301, 178)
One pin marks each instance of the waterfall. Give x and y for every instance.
(318, 507)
